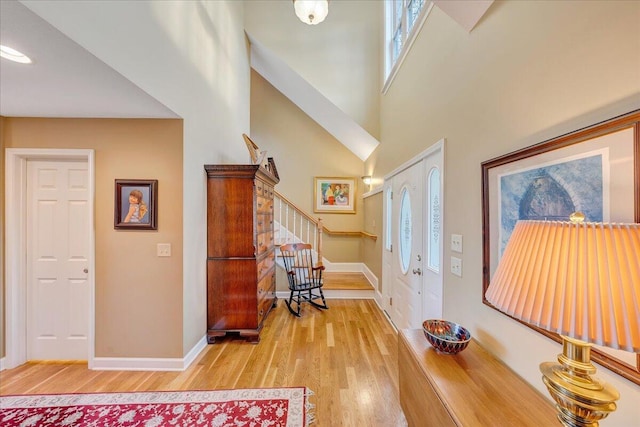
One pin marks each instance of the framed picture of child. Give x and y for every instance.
(136, 204)
(335, 195)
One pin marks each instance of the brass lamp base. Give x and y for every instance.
(581, 400)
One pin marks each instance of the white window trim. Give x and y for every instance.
(417, 27)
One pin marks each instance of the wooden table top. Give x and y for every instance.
(492, 393)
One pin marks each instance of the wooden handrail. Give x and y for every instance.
(317, 222)
(300, 211)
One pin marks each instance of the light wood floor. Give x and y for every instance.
(342, 281)
(346, 355)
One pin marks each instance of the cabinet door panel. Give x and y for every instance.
(230, 218)
(232, 301)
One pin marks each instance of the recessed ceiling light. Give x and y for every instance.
(14, 55)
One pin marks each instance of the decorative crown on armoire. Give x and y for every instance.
(241, 284)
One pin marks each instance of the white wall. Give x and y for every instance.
(529, 71)
(339, 57)
(192, 56)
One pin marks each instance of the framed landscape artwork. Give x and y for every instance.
(594, 170)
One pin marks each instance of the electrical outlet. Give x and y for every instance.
(164, 249)
(456, 266)
(456, 243)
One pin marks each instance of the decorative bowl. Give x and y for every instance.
(446, 337)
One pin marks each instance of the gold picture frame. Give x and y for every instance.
(334, 195)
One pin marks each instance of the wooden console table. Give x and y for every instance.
(471, 388)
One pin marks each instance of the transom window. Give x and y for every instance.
(403, 21)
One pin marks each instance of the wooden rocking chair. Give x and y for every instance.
(305, 278)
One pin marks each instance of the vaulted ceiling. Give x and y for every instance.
(331, 71)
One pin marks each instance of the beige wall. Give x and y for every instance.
(196, 62)
(530, 71)
(2, 293)
(138, 295)
(302, 149)
(372, 250)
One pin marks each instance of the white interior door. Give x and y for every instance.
(407, 260)
(58, 245)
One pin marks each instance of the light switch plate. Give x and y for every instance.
(456, 243)
(164, 249)
(456, 266)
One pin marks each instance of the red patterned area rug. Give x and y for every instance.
(272, 407)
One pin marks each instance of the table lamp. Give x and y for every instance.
(582, 281)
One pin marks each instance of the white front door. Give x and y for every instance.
(412, 287)
(433, 243)
(58, 252)
(389, 232)
(407, 260)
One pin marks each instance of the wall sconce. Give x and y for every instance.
(582, 281)
(311, 12)
(367, 181)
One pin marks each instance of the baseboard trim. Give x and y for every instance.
(335, 294)
(378, 300)
(343, 267)
(352, 267)
(195, 351)
(149, 364)
(2, 368)
(370, 277)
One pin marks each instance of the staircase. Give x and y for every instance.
(346, 285)
(292, 225)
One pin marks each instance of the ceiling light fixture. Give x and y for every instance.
(13, 55)
(311, 12)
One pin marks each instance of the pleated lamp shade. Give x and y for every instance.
(578, 280)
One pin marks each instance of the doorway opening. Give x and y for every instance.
(413, 246)
(16, 202)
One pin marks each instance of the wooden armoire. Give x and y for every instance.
(241, 288)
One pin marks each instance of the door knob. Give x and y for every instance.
(417, 271)
(86, 270)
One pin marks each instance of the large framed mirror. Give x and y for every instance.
(595, 170)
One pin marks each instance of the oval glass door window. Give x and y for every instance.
(405, 230)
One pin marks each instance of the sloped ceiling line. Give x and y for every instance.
(311, 101)
(64, 80)
(464, 12)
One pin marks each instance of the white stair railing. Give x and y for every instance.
(292, 225)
